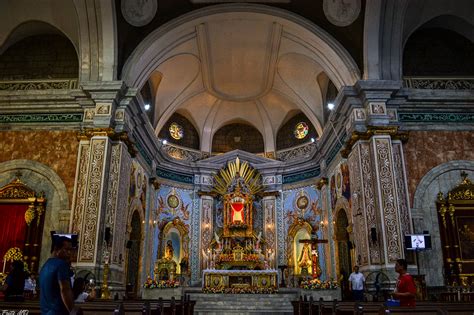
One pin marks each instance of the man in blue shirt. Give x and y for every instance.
(55, 279)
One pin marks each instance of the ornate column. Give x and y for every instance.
(269, 225)
(207, 228)
(379, 188)
(90, 195)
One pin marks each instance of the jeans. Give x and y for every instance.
(358, 295)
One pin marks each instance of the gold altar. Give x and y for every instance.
(240, 278)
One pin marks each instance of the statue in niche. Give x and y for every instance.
(169, 251)
(304, 261)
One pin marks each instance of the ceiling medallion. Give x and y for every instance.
(301, 130)
(176, 131)
(138, 12)
(341, 12)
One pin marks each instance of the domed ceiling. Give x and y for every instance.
(239, 67)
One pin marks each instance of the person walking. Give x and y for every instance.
(356, 284)
(405, 290)
(55, 279)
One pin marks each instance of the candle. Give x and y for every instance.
(4, 265)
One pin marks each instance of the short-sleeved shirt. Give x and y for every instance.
(405, 284)
(357, 281)
(53, 271)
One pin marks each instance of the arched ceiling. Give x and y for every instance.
(240, 66)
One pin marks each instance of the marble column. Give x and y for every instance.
(206, 232)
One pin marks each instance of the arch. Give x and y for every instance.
(298, 227)
(150, 53)
(285, 135)
(42, 178)
(42, 56)
(190, 136)
(443, 178)
(442, 46)
(238, 135)
(134, 255)
(343, 250)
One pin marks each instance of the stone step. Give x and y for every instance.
(251, 304)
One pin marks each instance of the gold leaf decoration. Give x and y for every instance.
(227, 175)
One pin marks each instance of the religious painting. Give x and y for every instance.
(172, 204)
(466, 237)
(303, 203)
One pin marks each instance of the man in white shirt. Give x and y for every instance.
(356, 286)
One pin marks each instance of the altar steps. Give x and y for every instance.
(243, 304)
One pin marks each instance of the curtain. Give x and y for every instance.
(12, 227)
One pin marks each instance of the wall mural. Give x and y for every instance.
(302, 217)
(172, 231)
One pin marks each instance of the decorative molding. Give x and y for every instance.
(357, 203)
(303, 152)
(143, 152)
(296, 177)
(435, 117)
(59, 84)
(335, 150)
(382, 153)
(103, 109)
(80, 186)
(88, 248)
(41, 118)
(182, 178)
(377, 108)
(366, 176)
(195, 241)
(439, 83)
(16, 189)
(401, 188)
(391, 131)
(323, 181)
(181, 154)
(464, 191)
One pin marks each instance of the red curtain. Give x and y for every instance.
(12, 227)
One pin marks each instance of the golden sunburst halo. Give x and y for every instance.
(224, 178)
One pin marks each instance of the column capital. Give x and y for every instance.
(392, 131)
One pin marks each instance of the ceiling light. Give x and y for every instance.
(147, 106)
(312, 140)
(165, 141)
(330, 106)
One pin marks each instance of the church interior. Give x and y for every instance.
(212, 149)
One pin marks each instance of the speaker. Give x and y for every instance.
(129, 244)
(107, 235)
(373, 234)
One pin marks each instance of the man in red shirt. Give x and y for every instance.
(406, 289)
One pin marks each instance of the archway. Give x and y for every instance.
(343, 251)
(133, 259)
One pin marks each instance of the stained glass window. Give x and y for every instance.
(301, 130)
(176, 131)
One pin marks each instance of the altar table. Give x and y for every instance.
(240, 278)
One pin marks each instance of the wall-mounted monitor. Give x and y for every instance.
(418, 241)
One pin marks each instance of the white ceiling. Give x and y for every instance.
(239, 67)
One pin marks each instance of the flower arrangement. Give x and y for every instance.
(317, 284)
(225, 258)
(241, 290)
(160, 284)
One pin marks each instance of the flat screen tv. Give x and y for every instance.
(417, 241)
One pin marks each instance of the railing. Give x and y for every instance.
(439, 83)
(41, 84)
(303, 151)
(182, 154)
